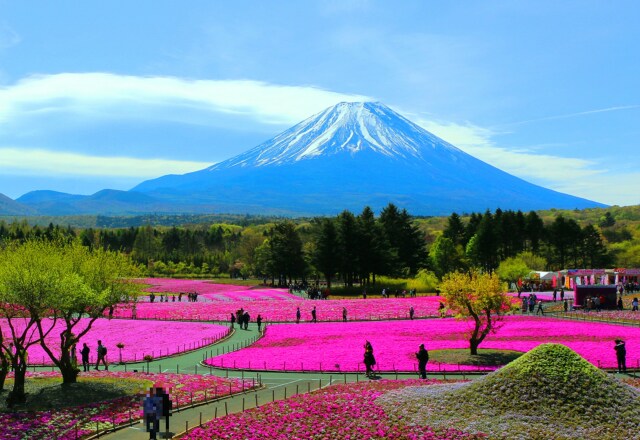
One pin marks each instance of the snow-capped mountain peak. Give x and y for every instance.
(346, 128)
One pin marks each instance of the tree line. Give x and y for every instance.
(351, 248)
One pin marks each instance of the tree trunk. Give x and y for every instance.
(68, 368)
(473, 346)
(17, 395)
(4, 369)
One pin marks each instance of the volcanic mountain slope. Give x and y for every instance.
(349, 156)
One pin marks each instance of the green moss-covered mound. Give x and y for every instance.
(547, 393)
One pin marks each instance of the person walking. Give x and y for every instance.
(369, 359)
(102, 354)
(85, 356)
(442, 309)
(233, 319)
(314, 317)
(634, 304)
(565, 305)
(411, 312)
(298, 316)
(539, 310)
(423, 357)
(621, 355)
(344, 314)
(259, 322)
(245, 320)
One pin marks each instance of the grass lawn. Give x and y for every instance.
(44, 393)
(484, 358)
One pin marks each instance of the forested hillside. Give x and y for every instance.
(357, 248)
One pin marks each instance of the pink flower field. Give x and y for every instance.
(285, 311)
(216, 292)
(339, 346)
(64, 423)
(140, 338)
(337, 412)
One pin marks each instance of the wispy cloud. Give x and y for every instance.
(8, 37)
(38, 162)
(572, 175)
(104, 94)
(573, 115)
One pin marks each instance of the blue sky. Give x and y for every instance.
(100, 95)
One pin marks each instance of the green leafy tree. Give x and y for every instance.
(69, 283)
(478, 296)
(445, 256)
(534, 262)
(29, 275)
(512, 269)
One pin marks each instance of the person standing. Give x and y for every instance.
(102, 354)
(621, 355)
(565, 305)
(298, 316)
(344, 314)
(85, 356)
(233, 319)
(442, 309)
(369, 359)
(245, 320)
(411, 312)
(634, 304)
(313, 315)
(539, 310)
(620, 304)
(259, 322)
(423, 357)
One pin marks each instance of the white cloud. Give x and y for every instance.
(91, 94)
(37, 162)
(576, 176)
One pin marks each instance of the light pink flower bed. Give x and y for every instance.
(140, 338)
(216, 292)
(285, 311)
(339, 347)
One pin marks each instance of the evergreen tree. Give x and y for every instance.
(326, 249)
(455, 230)
(348, 246)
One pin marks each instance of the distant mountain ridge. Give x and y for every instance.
(12, 207)
(348, 156)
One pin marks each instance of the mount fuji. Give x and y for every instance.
(350, 156)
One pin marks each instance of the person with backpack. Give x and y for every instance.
(102, 354)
